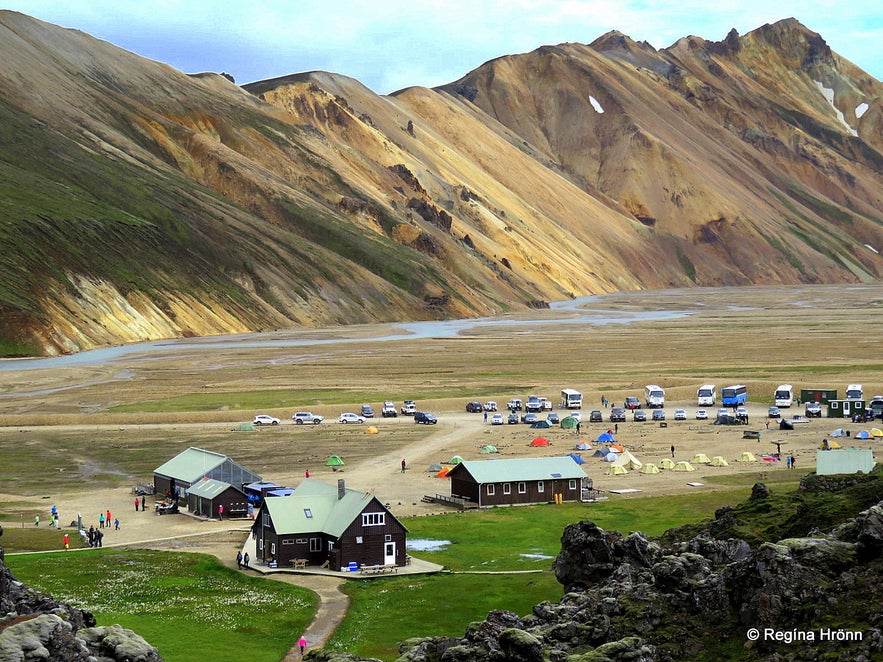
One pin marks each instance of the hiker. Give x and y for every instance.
(101, 521)
(791, 461)
(137, 501)
(302, 642)
(307, 473)
(91, 535)
(577, 427)
(220, 511)
(36, 520)
(672, 450)
(98, 538)
(245, 560)
(116, 524)
(239, 560)
(66, 541)
(107, 519)
(404, 466)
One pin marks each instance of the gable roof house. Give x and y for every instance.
(518, 481)
(323, 523)
(192, 465)
(205, 497)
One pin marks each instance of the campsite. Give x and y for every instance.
(86, 434)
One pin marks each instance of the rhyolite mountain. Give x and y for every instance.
(138, 202)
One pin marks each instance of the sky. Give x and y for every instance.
(390, 44)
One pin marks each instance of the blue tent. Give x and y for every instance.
(576, 458)
(864, 434)
(541, 424)
(582, 446)
(605, 437)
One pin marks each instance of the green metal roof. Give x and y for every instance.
(209, 488)
(500, 471)
(191, 464)
(314, 506)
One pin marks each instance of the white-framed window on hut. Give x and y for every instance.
(541, 486)
(522, 488)
(373, 519)
(315, 544)
(507, 488)
(491, 489)
(572, 484)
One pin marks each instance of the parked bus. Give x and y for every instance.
(654, 396)
(733, 396)
(571, 399)
(854, 392)
(784, 395)
(706, 395)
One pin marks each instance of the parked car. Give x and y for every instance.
(617, 415)
(813, 410)
(742, 414)
(773, 412)
(264, 419)
(367, 411)
(529, 418)
(389, 410)
(658, 414)
(514, 404)
(425, 417)
(301, 417)
(701, 415)
(474, 407)
(575, 414)
(350, 417)
(409, 407)
(723, 411)
(490, 405)
(595, 416)
(639, 415)
(553, 418)
(631, 402)
(680, 414)
(497, 419)
(513, 419)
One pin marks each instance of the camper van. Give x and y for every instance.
(784, 396)
(571, 399)
(654, 396)
(854, 392)
(706, 395)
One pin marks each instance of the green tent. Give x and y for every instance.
(569, 422)
(455, 460)
(488, 448)
(334, 461)
(245, 427)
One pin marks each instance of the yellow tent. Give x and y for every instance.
(616, 470)
(649, 468)
(666, 464)
(876, 432)
(683, 466)
(371, 430)
(701, 458)
(629, 461)
(719, 461)
(747, 456)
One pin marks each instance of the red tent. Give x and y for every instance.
(540, 441)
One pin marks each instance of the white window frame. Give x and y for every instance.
(373, 519)
(541, 486)
(491, 489)
(572, 484)
(522, 487)
(315, 544)
(507, 488)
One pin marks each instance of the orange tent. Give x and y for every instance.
(443, 473)
(540, 441)
(617, 448)
(371, 430)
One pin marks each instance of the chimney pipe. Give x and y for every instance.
(341, 488)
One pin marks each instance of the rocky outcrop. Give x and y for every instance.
(631, 598)
(35, 626)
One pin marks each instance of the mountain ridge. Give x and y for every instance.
(310, 200)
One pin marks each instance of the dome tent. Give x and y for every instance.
(540, 441)
(719, 461)
(666, 463)
(649, 468)
(747, 456)
(488, 448)
(576, 458)
(701, 458)
(616, 470)
(455, 460)
(334, 461)
(683, 466)
(434, 467)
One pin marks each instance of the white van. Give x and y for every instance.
(854, 392)
(706, 395)
(784, 396)
(654, 396)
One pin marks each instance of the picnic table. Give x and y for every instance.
(378, 569)
(298, 564)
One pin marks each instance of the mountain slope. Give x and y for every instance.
(138, 202)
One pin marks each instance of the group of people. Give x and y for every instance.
(141, 502)
(104, 521)
(242, 561)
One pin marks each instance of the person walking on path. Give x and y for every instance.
(143, 504)
(98, 538)
(246, 560)
(302, 642)
(239, 560)
(101, 521)
(66, 541)
(116, 524)
(108, 519)
(36, 520)
(404, 465)
(220, 512)
(672, 450)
